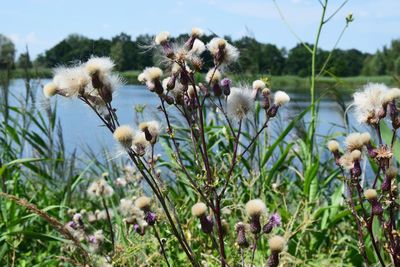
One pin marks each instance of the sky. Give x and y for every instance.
(40, 24)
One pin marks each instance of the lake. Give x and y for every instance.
(82, 128)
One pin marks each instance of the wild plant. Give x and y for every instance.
(373, 202)
(194, 102)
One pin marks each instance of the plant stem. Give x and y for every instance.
(109, 223)
(161, 245)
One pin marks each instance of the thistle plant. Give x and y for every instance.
(175, 82)
(373, 201)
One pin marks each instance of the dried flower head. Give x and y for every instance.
(240, 103)
(333, 146)
(143, 203)
(152, 73)
(197, 32)
(50, 89)
(151, 129)
(72, 81)
(356, 154)
(124, 135)
(370, 194)
(213, 76)
(100, 188)
(198, 47)
(391, 94)
(258, 85)
(140, 144)
(365, 138)
(222, 51)
(199, 209)
(99, 65)
(281, 98)
(255, 207)
(368, 103)
(161, 38)
(125, 205)
(346, 161)
(354, 141)
(277, 243)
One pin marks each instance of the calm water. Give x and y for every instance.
(81, 126)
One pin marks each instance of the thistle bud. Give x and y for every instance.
(241, 235)
(391, 173)
(273, 111)
(274, 221)
(372, 196)
(199, 210)
(356, 170)
(265, 104)
(226, 86)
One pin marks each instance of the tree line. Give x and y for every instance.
(255, 57)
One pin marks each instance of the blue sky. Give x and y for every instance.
(40, 24)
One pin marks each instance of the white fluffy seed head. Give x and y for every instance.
(255, 207)
(198, 47)
(240, 103)
(100, 188)
(199, 209)
(281, 98)
(140, 144)
(143, 203)
(370, 194)
(197, 32)
(213, 76)
(333, 146)
(346, 161)
(153, 127)
(368, 103)
(258, 85)
(365, 138)
(142, 78)
(71, 81)
(354, 141)
(391, 95)
(277, 243)
(124, 135)
(229, 52)
(101, 65)
(356, 154)
(151, 74)
(50, 89)
(161, 38)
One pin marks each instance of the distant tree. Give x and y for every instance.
(298, 61)
(376, 65)
(346, 62)
(145, 54)
(123, 52)
(271, 60)
(250, 53)
(397, 66)
(72, 49)
(7, 52)
(24, 61)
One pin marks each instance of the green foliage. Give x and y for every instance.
(7, 53)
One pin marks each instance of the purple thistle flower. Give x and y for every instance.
(72, 225)
(275, 219)
(226, 82)
(150, 218)
(92, 239)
